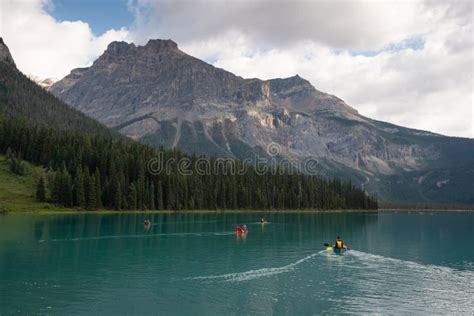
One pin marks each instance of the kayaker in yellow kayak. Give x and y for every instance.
(338, 246)
(339, 243)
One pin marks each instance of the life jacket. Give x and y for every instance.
(339, 244)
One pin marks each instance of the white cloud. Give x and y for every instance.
(336, 23)
(43, 46)
(426, 86)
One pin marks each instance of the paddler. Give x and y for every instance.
(339, 243)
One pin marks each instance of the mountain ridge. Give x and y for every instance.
(160, 95)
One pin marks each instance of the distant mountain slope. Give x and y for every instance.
(44, 83)
(159, 95)
(22, 98)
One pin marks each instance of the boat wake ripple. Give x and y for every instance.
(255, 274)
(385, 281)
(199, 234)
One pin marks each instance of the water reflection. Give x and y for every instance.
(74, 226)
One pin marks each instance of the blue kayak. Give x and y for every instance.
(339, 250)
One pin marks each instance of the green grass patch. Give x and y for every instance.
(17, 193)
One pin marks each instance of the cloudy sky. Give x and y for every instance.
(407, 62)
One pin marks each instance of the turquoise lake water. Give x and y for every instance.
(110, 264)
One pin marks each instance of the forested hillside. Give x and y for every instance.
(22, 98)
(94, 171)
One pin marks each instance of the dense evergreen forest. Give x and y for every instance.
(94, 171)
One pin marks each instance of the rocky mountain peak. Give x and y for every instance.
(119, 48)
(158, 45)
(290, 82)
(297, 79)
(134, 80)
(5, 55)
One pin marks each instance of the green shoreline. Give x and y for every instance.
(109, 212)
(105, 211)
(17, 196)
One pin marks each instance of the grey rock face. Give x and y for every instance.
(159, 95)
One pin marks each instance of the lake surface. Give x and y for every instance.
(401, 263)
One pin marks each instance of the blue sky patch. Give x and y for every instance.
(415, 43)
(101, 15)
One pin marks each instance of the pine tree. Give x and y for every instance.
(140, 188)
(151, 194)
(79, 193)
(117, 195)
(132, 197)
(18, 166)
(41, 190)
(67, 198)
(98, 189)
(170, 195)
(159, 196)
(56, 192)
(91, 193)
